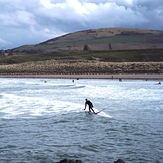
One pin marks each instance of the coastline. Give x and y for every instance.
(90, 76)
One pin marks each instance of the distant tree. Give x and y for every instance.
(110, 46)
(86, 48)
(10, 53)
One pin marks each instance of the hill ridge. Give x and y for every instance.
(107, 32)
(98, 39)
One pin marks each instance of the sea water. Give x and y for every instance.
(43, 121)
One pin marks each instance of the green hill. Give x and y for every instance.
(105, 44)
(104, 39)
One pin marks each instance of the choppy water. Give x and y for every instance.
(42, 121)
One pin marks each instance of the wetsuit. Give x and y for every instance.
(89, 103)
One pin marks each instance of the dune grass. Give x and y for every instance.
(154, 55)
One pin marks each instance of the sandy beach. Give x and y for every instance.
(97, 76)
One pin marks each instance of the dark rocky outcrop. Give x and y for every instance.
(119, 161)
(79, 161)
(69, 161)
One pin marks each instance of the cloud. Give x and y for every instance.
(34, 21)
(3, 43)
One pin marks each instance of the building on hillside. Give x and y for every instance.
(5, 53)
(2, 52)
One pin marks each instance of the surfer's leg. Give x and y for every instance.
(92, 110)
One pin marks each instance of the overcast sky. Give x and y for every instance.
(34, 21)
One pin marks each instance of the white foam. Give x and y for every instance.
(102, 113)
(35, 97)
(21, 106)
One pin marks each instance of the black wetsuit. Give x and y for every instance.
(89, 103)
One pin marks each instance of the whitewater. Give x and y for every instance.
(43, 121)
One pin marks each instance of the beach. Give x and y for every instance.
(90, 76)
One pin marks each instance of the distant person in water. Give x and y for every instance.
(158, 83)
(89, 103)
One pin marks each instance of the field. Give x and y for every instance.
(146, 55)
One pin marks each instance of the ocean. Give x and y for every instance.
(43, 121)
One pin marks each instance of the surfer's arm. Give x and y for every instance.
(85, 106)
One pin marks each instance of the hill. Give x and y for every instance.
(104, 39)
(96, 51)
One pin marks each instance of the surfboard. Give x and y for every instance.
(99, 111)
(95, 112)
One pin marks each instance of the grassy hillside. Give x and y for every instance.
(147, 55)
(105, 45)
(104, 39)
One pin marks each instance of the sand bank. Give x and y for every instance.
(112, 76)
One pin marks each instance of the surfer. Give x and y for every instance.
(158, 83)
(89, 103)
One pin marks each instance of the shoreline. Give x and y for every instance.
(89, 76)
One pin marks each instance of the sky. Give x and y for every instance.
(33, 21)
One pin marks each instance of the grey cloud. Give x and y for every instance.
(151, 4)
(34, 21)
